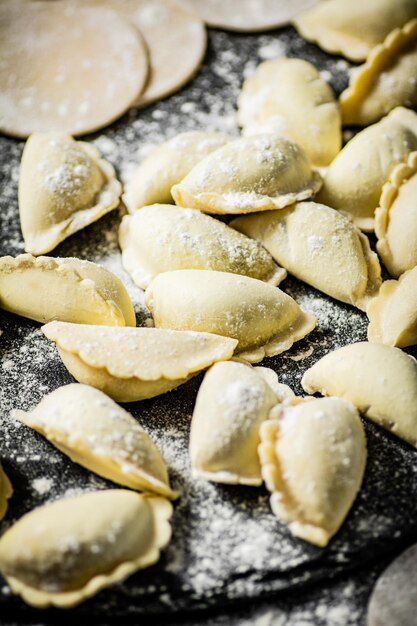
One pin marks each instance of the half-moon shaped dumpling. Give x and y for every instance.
(64, 186)
(290, 98)
(232, 402)
(131, 364)
(354, 180)
(263, 319)
(388, 79)
(381, 381)
(98, 434)
(167, 165)
(62, 553)
(313, 460)
(250, 174)
(70, 290)
(161, 238)
(396, 219)
(353, 27)
(393, 314)
(6, 491)
(320, 246)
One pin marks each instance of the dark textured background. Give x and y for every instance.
(229, 557)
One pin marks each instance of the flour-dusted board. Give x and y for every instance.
(226, 545)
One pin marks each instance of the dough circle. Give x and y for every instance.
(176, 41)
(247, 15)
(66, 67)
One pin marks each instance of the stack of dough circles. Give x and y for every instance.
(247, 15)
(176, 41)
(67, 67)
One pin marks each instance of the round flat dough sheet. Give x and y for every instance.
(176, 43)
(247, 15)
(67, 68)
(394, 600)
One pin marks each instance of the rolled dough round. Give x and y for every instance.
(247, 15)
(65, 67)
(393, 601)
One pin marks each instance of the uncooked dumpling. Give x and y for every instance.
(353, 27)
(66, 67)
(167, 165)
(393, 314)
(396, 219)
(354, 180)
(290, 98)
(131, 364)
(247, 175)
(95, 432)
(70, 290)
(64, 185)
(313, 460)
(262, 318)
(161, 238)
(62, 553)
(320, 246)
(232, 402)
(6, 492)
(388, 79)
(380, 380)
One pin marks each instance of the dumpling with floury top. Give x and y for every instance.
(263, 319)
(64, 552)
(167, 165)
(98, 434)
(64, 185)
(313, 456)
(163, 237)
(67, 289)
(232, 402)
(320, 246)
(380, 380)
(249, 174)
(290, 98)
(387, 79)
(131, 364)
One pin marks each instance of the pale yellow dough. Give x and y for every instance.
(393, 314)
(396, 219)
(380, 380)
(256, 173)
(6, 492)
(354, 27)
(232, 402)
(320, 246)
(388, 79)
(313, 460)
(161, 238)
(263, 319)
(167, 165)
(71, 290)
(95, 432)
(247, 15)
(66, 67)
(290, 98)
(354, 180)
(64, 185)
(62, 553)
(176, 41)
(131, 364)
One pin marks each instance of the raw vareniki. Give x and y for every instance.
(132, 364)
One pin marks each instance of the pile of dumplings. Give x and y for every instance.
(287, 197)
